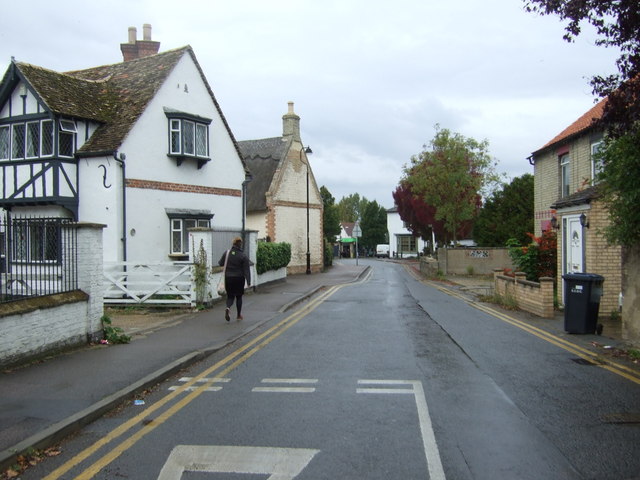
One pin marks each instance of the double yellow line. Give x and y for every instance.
(581, 352)
(219, 369)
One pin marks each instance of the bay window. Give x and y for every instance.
(188, 136)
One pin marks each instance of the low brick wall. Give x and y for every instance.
(39, 326)
(33, 327)
(532, 297)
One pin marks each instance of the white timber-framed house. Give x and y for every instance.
(140, 146)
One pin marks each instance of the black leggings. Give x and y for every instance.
(235, 290)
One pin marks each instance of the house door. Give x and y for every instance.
(573, 245)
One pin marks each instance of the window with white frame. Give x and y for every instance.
(565, 175)
(188, 134)
(596, 160)
(5, 142)
(180, 231)
(406, 243)
(67, 138)
(34, 139)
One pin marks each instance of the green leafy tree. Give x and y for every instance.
(350, 208)
(621, 165)
(508, 213)
(451, 174)
(373, 225)
(330, 218)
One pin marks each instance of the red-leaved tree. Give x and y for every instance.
(421, 218)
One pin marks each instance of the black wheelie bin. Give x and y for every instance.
(582, 292)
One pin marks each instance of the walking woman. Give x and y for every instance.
(236, 273)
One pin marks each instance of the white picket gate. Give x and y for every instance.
(167, 283)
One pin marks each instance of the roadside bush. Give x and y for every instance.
(538, 259)
(272, 256)
(328, 253)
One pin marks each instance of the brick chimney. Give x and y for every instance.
(139, 48)
(291, 123)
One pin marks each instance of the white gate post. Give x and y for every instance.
(90, 273)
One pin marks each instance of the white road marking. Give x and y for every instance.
(434, 463)
(201, 380)
(288, 389)
(279, 463)
(289, 380)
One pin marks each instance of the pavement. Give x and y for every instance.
(41, 403)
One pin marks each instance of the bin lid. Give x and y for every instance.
(583, 277)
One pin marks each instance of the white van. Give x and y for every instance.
(382, 250)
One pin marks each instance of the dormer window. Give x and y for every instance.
(188, 136)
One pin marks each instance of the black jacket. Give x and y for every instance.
(237, 265)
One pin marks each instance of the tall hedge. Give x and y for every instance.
(272, 256)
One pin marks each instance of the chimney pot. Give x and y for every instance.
(146, 31)
(132, 34)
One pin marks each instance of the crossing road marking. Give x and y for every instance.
(436, 472)
(279, 463)
(287, 381)
(191, 388)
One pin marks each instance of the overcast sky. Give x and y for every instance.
(370, 79)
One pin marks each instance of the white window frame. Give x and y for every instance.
(202, 133)
(5, 142)
(43, 129)
(182, 226)
(14, 144)
(596, 163)
(565, 175)
(29, 141)
(67, 127)
(189, 137)
(175, 133)
(194, 143)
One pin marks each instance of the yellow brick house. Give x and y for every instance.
(566, 198)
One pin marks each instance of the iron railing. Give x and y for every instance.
(38, 256)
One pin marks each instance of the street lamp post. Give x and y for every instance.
(307, 151)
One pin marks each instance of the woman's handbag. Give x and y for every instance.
(221, 288)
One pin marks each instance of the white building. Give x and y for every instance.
(402, 243)
(141, 146)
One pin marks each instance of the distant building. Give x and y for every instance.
(402, 243)
(283, 200)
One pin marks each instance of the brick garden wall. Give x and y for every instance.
(532, 297)
(37, 326)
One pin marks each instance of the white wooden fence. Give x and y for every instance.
(167, 283)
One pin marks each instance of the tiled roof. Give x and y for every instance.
(348, 227)
(579, 126)
(114, 95)
(262, 158)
